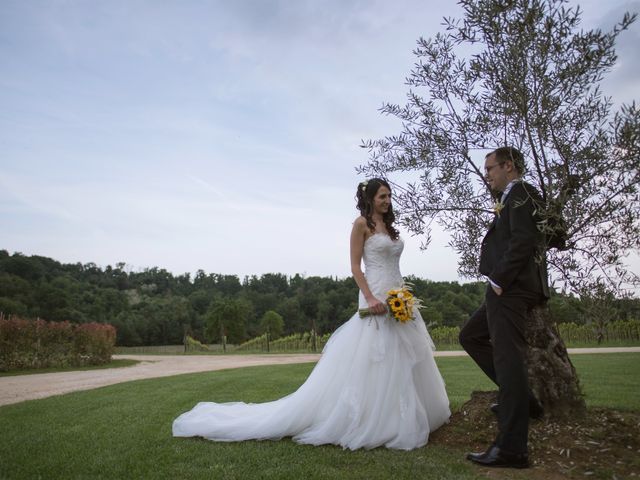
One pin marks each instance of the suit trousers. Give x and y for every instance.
(494, 336)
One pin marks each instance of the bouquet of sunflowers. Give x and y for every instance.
(400, 302)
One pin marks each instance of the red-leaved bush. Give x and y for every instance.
(40, 344)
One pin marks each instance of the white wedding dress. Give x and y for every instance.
(376, 383)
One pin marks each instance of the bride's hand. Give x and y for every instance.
(376, 307)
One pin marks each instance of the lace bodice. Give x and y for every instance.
(381, 265)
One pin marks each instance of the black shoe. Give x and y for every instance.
(535, 410)
(495, 457)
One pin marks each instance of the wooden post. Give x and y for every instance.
(313, 336)
(268, 339)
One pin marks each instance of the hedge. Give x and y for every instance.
(37, 343)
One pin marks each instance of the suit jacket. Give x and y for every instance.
(513, 252)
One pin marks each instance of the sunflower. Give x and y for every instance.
(396, 304)
(401, 303)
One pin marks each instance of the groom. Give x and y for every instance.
(512, 259)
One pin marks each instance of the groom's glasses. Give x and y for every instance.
(488, 168)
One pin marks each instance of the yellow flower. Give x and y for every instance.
(497, 207)
(400, 302)
(395, 304)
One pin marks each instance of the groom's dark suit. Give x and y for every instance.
(512, 257)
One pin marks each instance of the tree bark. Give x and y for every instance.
(552, 376)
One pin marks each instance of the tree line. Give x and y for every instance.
(157, 307)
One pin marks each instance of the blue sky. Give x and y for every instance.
(214, 135)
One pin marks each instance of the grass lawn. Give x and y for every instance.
(612, 343)
(124, 431)
(112, 364)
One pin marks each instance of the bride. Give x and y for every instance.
(376, 383)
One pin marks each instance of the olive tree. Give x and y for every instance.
(521, 73)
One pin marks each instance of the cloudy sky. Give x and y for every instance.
(220, 135)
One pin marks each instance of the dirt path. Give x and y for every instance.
(29, 387)
(40, 385)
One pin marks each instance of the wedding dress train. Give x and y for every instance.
(376, 384)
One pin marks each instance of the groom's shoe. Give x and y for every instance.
(495, 457)
(535, 410)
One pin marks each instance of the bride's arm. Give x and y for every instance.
(358, 237)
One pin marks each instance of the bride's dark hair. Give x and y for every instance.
(366, 192)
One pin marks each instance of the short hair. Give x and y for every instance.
(510, 153)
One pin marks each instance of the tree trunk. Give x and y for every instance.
(552, 376)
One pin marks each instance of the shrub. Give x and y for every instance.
(193, 345)
(39, 344)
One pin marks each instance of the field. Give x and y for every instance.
(124, 431)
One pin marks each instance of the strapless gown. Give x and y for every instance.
(376, 383)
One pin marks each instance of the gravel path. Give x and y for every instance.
(16, 389)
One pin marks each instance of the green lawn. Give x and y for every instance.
(124, 431)
(112, 364)
(610, 379)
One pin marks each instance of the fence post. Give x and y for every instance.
(267, 339)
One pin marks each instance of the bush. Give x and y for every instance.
(28, 344)
(193, 345)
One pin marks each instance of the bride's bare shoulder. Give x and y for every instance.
(360, 226)
(360, 229)
(360, 222)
